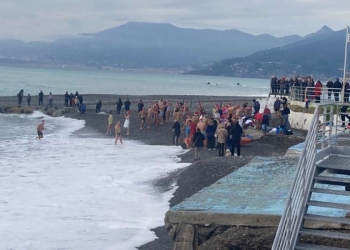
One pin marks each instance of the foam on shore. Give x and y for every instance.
(77, 193)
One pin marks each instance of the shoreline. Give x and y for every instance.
(188, 180)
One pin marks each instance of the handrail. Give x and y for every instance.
(318, 135)
(289, 225)
(326, 95)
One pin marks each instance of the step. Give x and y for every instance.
(336, 162)
(337, 220)
(325, 234)
(332, 180)
(330, 191)
(329, 204)
(305, 246)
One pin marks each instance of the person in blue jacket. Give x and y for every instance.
(82, 109)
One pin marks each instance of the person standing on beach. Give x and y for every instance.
(72, 100)
(40, 129)
(198, 143)
(41, 97)
(285, 115)
(66, 99)
(110, 122)
(210, 132)
(118, 133)
(143, 116)
(50, 100)
(149, 115)
(20, 97)
(256, 106)
(119, 105)
(82, 109)
(140, 106)
(127, 105)
(222, 136)
(98, 105)
(277, 106)
(127, 122)
(80, 98)
(29, 99)
(177, 131)
(236, 132)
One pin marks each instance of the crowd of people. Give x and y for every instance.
(305, 88)
(70, 100)
(219, 129)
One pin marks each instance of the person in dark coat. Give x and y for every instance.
(20, 97)
(41, 97)
(210, 131)
(346, 92)
(277, 106)
(140, 106)
(80, 98)
(236, 132)
(66, 99)
(256, 106)
(71, 101)
(344, 114)
(29, 99)
(177, 132)
(119, 105)
(127, 104)
(198, 143)
(330, 86)
(98, 105)
(337, 88)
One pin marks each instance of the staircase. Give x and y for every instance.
(319, 197)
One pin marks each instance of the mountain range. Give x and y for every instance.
(161, 45)
(138, 45)
(320, 54)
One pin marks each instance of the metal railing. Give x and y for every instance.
(324, 131)
(309, 94)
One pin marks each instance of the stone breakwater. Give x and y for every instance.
(55, 112)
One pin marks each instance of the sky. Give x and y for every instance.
(48, 20)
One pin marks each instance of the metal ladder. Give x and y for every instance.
(324, 167)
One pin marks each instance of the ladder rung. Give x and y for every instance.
(328, 204)
(304, 246)
(325, 234)
(330, 191)
(337, 220)
(332, 180)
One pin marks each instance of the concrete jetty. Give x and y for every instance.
(252, 196)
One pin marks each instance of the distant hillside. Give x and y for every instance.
(320, 55)
(135, 45)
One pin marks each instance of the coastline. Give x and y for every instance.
(199, 174)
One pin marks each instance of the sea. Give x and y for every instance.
(80, 191)
(58, 81)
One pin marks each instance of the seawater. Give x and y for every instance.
(57, 81)
(69, 192)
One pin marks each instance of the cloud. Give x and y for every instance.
(47, 20)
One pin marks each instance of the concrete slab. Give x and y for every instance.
(253, 195)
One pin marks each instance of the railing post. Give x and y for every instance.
(331, 125)
(324, 126)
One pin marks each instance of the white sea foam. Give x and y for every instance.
(64, 192)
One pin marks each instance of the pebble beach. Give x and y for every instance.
(189, 180)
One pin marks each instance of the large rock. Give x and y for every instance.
(57, 113)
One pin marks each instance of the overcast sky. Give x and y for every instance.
(51, 19)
